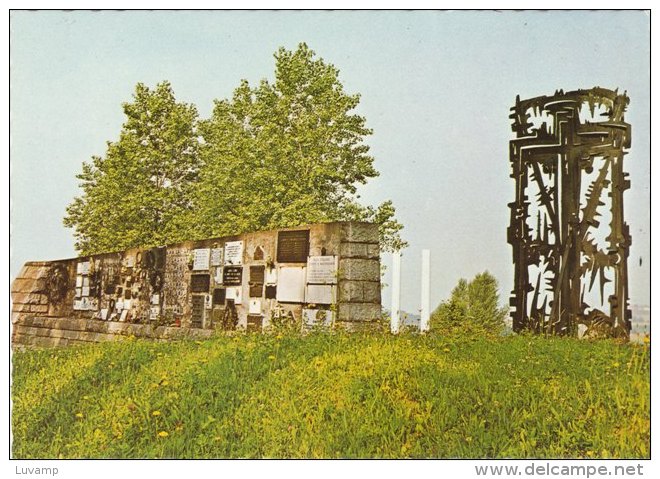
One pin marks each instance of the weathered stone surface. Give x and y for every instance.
(359, 312)
(29, 298)
(34, 270)
(38, 308)
(359, 269)
(350, 291)
(360, 232)
(373, 250)
(28, 285)
(371, 292)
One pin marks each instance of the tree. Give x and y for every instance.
(137, 194)
(472, 306)
(281, 154)
(287, 153)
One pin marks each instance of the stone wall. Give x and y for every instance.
(317, 275)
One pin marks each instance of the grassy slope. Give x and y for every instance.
(334, 396)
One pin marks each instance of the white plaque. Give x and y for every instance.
(317, 317)
(76, 304)
(216, 256)
(129, 261)
(154, 312)
(234, 252)
(255, 306)
(155, 299)
(79, 281)
(235, 293)
(322, 269)
(208, 303)
(83, 268)
(84, 291)
(201, 259)
(291, 284)
(78, 292)
(119, 305)
(85, 283)
(104, 314)
(271, 275)
(123, 316)
(127, 304)
(218, 275)
(319, 294)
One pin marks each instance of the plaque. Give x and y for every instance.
(79, 281)
(200, 283)
(216, 256)
(319, 294)
(271, 276)
(219, 296)
(154, 312)
(254, 323)
(256, 290)
(235, 294)
(234, 252)
(291, 284)
(254, 307)
(257, 274)
(271, 292)
(292, 246)
(83, 268)
(322, 270)
(201, 259)
(198, 309)
(232, 275)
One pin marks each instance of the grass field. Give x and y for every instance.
(334, 395)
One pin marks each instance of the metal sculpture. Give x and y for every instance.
(570, 242)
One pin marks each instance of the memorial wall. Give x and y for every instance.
(322, 275)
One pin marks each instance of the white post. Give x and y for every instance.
(396, 292)
(426, 290)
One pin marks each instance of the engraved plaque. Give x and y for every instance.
(271, 291)
(201, 259)
(292, 246)
(200, 283)
(198, 310)
(322, 270)
(219, 295)
(216, 256)
(256, 290)
(232, 275)
(257, 274)
(234, 252)
(254, 323)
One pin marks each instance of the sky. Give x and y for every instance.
(436, 88)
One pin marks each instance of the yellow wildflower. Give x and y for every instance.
(271, 357)
(163, 434)
(79, 414)
(155, 413)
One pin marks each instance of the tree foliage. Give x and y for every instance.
(281, 154)
(473, 305)
(137, 193)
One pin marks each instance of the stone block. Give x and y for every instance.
(34, 271)
(360, 232)
(38, 308)
(350, 292)
(354, 250)
(359, 312)
(371, 292)
(359, 269)
(29, 298)
(373, 250)
(28, 285)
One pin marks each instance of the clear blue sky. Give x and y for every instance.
(436, 89)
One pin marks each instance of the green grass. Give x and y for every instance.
(334, 395)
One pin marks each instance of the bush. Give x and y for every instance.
(472, 308)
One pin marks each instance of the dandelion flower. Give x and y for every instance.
(79, 414)
(155, 413)
(163, 434)
(446, 350)
(271, 357)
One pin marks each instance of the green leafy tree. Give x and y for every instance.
(473, 306)
(287, 153)
(138, 193)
